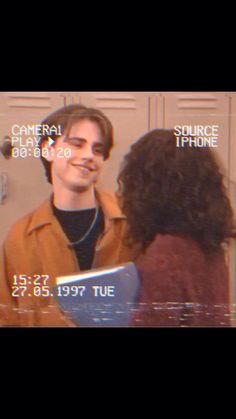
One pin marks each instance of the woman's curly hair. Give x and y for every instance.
(169, 190)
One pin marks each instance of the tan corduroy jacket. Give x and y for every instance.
(37, 245)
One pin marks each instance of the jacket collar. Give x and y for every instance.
(44, 214)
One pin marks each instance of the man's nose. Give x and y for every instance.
(87, 153)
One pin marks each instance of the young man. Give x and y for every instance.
(78, 228)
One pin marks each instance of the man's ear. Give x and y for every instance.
(47, 151)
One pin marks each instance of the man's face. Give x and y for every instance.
(80, 169)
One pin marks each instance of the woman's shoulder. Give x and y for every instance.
(173, 243)
(178, 249)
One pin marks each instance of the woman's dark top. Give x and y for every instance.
(181, 285)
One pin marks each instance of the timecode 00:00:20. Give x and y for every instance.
(25, 152)
(44, 291)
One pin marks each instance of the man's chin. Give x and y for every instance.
(80, 187)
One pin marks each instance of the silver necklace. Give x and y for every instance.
(71, 244)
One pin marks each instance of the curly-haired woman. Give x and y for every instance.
(180, 218)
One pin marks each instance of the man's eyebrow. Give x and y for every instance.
(82, 139)
(75, 138)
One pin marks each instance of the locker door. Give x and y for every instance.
(198, 108)
(26, 183)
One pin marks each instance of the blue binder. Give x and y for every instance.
(100, 297)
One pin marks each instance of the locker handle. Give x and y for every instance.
(3, 186)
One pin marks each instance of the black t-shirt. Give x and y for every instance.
(75, 224)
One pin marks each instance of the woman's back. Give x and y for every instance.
(181, 285)
(179, 215)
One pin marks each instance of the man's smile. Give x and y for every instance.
(84, 167)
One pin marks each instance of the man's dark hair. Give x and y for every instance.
(66, 117)
(169, 190)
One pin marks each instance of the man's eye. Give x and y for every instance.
(99, 150)
(74, 142)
